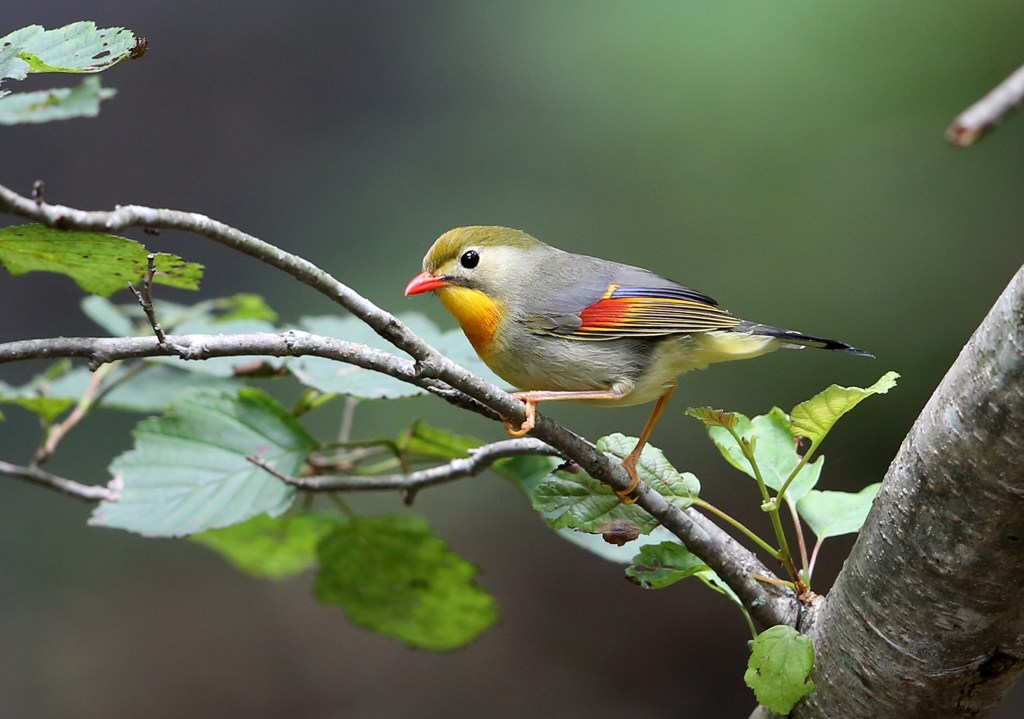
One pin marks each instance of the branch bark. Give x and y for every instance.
(926, 618)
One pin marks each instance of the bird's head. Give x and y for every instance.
(491, 260)
(478, 273)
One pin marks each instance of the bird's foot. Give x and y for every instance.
(628, 495)
(527, 426)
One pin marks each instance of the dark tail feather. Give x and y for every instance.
(798, 340)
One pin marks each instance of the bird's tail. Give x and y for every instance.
(798, 340)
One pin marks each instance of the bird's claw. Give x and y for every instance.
(628, 495)
(527, 426)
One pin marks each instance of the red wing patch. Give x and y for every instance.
(649, 312)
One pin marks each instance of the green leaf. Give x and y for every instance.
(62, 103)
(714, 417)
(774, 450)
(329, 376)
(814, 418)
(12, 67)
(661, 565)
(98, 263)
(780, 668)
(525, 473)
(427, 441)
(37, 395)
(715, 583)
(272, 547)
(188, 471)
(46, 408)
(245, 306)
(579, 501)
(153, 390)
(393, 575)
(76, 48)
(830, 514)
(107, 315)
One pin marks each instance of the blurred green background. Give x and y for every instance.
(786, 158)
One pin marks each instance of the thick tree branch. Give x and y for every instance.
(975, 122)
(927, 617)
(195, 347)
(768, 604)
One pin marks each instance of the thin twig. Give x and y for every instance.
(975, 122)
(145, 297)
(85, 492)
(480, 459)
(799, 536)
(347, 418)
(57, 432)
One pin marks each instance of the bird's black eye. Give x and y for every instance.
(470, 259)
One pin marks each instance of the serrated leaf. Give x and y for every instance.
(578, 501)
(661, 565)
(76, 48)
(780, 668)
(98, 263)
(774, 449)
(814, 418)
(330, 376)
(188, 470)
(393, 575)
(62, 103)
(830, 514)
(713, 417)
(272, 547)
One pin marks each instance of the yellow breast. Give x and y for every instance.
(477, 313)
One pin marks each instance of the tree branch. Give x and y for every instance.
(479, 460)
(926, 618)
(975, 122)
(85, 492)
(734, 563)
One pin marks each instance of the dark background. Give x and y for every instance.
(787, 159)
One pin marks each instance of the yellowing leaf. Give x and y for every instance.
(814, 418)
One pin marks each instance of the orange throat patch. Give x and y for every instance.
(477, 313)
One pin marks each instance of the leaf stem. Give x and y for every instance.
(749, 454)
(784, 555)
(344, 506)
(796, 470)
(799, 535)
(738, 525)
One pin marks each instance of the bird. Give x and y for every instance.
(563, 326)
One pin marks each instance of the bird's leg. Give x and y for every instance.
(629, 463)
(531, 398)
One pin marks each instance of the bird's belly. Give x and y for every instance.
(651, 366)
(563, 365)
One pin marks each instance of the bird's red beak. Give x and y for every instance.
(424, 282)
